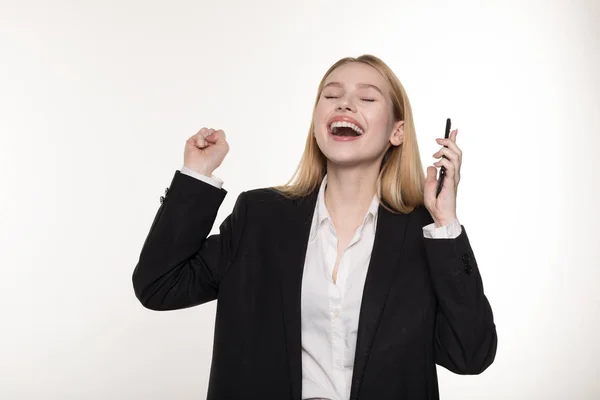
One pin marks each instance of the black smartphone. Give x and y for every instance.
(443, 170)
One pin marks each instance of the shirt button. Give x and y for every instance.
(336, 313)
(338, 363)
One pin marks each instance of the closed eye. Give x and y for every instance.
(337, 97)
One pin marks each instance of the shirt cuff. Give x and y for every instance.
(211, 180)
(450, 231)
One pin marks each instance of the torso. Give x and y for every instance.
(344, 235)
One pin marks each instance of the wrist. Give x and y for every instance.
(444, 221)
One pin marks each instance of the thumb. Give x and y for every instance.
(216, 137)
(431, 174)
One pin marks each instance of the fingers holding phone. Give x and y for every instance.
(451, 159)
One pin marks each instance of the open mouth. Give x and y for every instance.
(345, 128)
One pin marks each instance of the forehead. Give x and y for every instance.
(354, 73)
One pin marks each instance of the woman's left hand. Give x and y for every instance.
(443, 207)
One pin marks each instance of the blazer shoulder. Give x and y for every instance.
(269, 199)
(423, 215)
(266, 197)
(270, 194)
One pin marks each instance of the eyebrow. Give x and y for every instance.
(360, 85)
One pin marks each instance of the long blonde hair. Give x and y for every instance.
(401, 177)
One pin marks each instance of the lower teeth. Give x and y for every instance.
(352, 134)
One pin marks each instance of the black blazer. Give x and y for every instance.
(423, 300)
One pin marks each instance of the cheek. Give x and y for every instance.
(320, 116)
(319, 112)
(379, 122)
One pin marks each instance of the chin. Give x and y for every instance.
(344, 158)
(350, 157)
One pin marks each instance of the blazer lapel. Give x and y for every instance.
(293, 242)
(389, 238)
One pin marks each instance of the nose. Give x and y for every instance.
(345, 104)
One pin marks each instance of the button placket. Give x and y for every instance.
(163, 198)
(467, 262)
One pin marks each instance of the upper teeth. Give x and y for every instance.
(340, 124)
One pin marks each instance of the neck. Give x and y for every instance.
(349, 192)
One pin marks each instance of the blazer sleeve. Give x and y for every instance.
(465, 339)
(181, 266)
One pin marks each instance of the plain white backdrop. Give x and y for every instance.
(98, 97)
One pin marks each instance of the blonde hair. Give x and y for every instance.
(401, 177)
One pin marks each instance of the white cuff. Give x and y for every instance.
(450, 231)
(211, 180)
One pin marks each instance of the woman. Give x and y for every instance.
(350, 282)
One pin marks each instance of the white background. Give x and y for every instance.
(96, 102)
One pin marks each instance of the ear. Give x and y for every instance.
(397, 136)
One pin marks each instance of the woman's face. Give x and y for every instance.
(353, 120)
